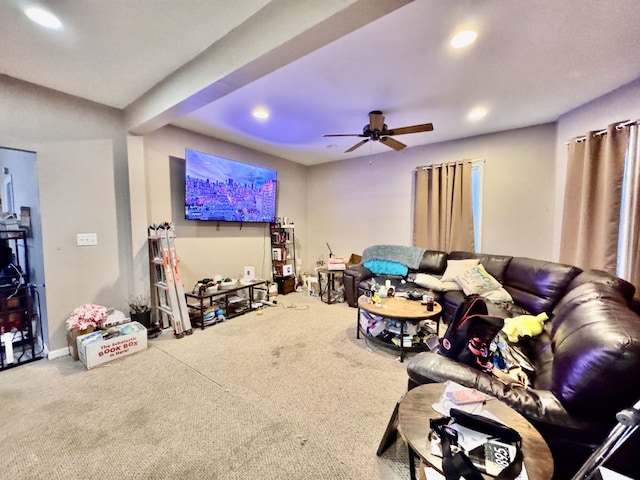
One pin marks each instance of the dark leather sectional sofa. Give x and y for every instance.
(587, 359)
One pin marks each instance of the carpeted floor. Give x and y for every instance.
(289, 394)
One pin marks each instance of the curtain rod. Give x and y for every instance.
(602, 132)
(459, 162)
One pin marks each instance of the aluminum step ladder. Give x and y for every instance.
(170, 304)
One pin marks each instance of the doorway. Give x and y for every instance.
(23, 318)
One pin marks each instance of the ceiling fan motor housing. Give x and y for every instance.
(373, 134)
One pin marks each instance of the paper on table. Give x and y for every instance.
(445, 403)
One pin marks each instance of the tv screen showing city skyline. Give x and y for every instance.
(221, 189)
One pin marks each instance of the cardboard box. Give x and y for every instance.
(94, 351)
(354, 259)
(72, 336)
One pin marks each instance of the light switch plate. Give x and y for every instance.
(86, 239)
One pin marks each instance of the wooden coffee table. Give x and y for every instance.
(400, 309)
(415, 410)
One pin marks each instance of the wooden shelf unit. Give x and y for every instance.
(283, 257)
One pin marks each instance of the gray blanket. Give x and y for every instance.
(409, 256)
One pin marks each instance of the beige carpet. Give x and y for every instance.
(289, 394)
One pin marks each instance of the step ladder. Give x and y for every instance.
(170, 304)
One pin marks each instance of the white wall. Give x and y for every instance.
(621, 104)
(81, 163)
(204, 248)
(368, 200)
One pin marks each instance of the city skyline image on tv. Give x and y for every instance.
(220, 189)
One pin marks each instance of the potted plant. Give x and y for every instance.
(140, 310)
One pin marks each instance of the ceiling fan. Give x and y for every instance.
(377, 130)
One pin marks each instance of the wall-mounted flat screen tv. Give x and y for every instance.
(220, 189)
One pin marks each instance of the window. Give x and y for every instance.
(476, 201)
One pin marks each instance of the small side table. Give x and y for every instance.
(411, 418)
(331, 283)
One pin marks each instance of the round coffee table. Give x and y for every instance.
(401, 310)
(415, 410)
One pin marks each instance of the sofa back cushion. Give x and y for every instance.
(595, 339)
(537, 285)
(494, 264)
(600, 276)
(433, 262)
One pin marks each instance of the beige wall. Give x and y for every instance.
(207, 249)
(364, 201)
(81, 163)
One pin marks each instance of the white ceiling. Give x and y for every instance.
(320, 67)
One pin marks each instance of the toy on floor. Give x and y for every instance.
(524, 326)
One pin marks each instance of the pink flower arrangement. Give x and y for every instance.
(88, 315)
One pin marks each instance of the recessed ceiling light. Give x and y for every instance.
(477, 113)
(260, 113)
(43, 18)
(463, 39)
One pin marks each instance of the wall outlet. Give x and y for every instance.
(86, 239)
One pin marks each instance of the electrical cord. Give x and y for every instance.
(19, 283)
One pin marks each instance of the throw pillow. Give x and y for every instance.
(457, 267)
(385, 267)
(450, 286)
(499, 295)
(477, 280)
(429, 281)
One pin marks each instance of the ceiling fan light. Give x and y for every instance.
(463, 39)
(43, 18)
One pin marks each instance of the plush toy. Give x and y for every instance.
(524, 326)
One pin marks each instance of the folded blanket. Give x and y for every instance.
(409, 256)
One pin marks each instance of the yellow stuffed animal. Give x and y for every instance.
(524, 326)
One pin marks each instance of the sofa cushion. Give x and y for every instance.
(477, 280)
(429, 281)
(386, 267)
(537, 285)
(500, 295)
(600, 276)
(457, 267)
(494, 264)
(596, 352)
(433, 262)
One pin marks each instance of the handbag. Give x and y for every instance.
(456, 463)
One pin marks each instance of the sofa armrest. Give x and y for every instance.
(541, 407)
(352, 276)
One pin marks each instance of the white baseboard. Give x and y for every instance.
(60, 352)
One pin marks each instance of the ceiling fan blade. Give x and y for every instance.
(356, 146)
(393, 143)
(424, 127)
(345, 135)
(376, 120)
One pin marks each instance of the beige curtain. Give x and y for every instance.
(591, 217)
(443, 212)
(630, 232)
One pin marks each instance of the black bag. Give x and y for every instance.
(470, 333)
(456, 463)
